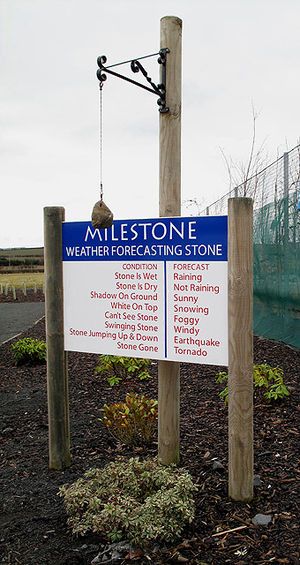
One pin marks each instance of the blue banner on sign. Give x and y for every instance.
(162, 239)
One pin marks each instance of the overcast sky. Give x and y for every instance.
(235, 53)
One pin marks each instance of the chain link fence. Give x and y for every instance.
(276, 237)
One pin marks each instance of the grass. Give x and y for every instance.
(18, 279)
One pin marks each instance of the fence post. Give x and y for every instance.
(240, 342)
(57, 372)
(286, 198)
(169, 205)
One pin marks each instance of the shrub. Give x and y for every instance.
(141, 501)
(264, 377)
(29, 350)
(118, 368)
(132, 422)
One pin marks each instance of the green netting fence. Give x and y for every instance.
(276, 240)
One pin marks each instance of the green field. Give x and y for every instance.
(22, 252)
(19, 279)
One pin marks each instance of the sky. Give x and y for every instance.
(237, 55)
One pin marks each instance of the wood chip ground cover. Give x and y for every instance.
(33, 528)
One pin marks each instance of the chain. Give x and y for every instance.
(101, 138)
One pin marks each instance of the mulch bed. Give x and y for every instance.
(33, 526)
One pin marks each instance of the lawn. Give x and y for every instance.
(18, 280)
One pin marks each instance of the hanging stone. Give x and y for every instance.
(102, 217)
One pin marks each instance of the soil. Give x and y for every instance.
(30, 296)
(33, 528)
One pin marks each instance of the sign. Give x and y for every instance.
(154, 288)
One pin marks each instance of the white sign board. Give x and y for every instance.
(154, 289)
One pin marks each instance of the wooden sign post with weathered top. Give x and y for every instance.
(169, 205)
(57, 370)
(240, 350)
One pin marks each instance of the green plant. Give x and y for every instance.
(132, 422)
(264, 377)
(141, 501)
(118, 368)
(221, 377)
(29, 350)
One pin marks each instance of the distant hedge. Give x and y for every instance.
(16, 262)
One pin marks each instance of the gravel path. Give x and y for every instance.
(15, 318)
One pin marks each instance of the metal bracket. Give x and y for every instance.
(135, 65)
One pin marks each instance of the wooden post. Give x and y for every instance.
(57, 372)
(285, 201)
(240, 370)
(170, 205)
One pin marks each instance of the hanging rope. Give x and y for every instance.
(101, 138)
(102, 217)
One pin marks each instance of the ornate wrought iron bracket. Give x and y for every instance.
(135, 65)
